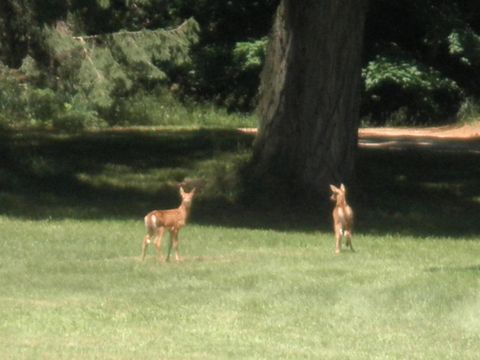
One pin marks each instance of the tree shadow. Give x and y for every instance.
(125, 174)
(46, 175)
(468, 268)
(419, 190)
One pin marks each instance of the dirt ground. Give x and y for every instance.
(465, 138)
(442, 132)
(443, 138)
(457, 132)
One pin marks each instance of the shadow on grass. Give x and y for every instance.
(111, 174)
(124, 174)
(419, 191)
(471, 268)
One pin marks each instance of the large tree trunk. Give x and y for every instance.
(309, 95)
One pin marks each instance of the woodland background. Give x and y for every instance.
(259, 278)
(98, 63)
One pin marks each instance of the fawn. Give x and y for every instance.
(342, 217)
(173, 220)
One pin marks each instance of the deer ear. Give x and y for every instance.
(333, 188)
(182, 192)
(342, 187)
(193, 191)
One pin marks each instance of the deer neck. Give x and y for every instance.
(341, 202)
(185, 209)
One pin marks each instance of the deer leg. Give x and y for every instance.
(170, 245)
(348, 236)
(175, 245)
(158, 242)
(146, 241)
(348, 239)
(338, 238)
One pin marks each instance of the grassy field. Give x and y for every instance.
(255, 283)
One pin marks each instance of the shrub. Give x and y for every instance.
(77, 115)
(12, 103)
(43, 105)
(403, 91)
(162, 108)
(250, 55)
(465, 45)
(469, 110)
(228, 74)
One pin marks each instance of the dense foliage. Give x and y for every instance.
(88, 63)
(422, 60)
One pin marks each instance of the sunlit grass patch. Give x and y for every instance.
(78, 288)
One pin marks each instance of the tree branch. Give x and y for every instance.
(130, 33)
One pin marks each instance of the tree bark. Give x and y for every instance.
(309, 93)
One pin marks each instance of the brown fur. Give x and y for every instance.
(342, 217)
(173, 220)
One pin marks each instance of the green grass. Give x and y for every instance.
(164, 110)
(76, 289)
(256, 282)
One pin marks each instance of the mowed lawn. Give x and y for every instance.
(77, 289)
(72, 284)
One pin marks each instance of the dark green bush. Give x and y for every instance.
(43, 105)
(403, 91)
(12, 103)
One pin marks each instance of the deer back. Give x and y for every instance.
(174, 218)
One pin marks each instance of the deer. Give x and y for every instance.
(342, 217)
(172, 220)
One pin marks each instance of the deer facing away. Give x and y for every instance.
(342, 217)
(173, 220)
